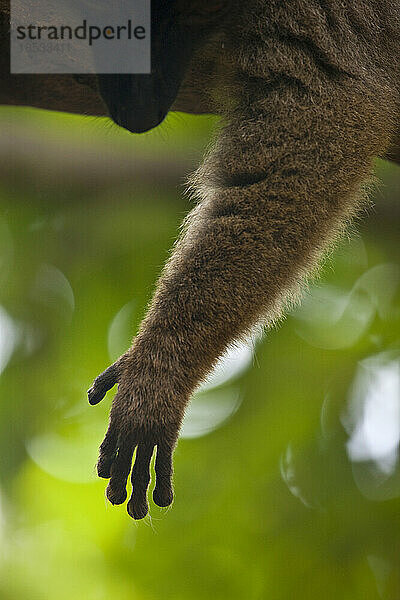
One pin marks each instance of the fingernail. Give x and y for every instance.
(91, 396)
(137, 512)
(163, 498)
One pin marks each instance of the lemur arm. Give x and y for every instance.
(279, 184)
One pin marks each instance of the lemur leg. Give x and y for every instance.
(284, 175)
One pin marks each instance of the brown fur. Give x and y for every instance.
(309, 94)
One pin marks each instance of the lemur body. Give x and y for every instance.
(309, 94)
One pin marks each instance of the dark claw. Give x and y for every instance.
(104, 466)
(163, 494)
(120, 469)
(93, 396)
(137, 506)
(103, 383)
(116, 496)
(137, 511)
(108, 451)
(163, 497)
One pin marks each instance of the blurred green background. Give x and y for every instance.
(287, 477)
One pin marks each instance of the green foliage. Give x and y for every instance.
(287, 480)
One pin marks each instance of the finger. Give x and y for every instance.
(103, 383)
(120, 469)
(137, 505)
(163, 493)
(108, 451)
